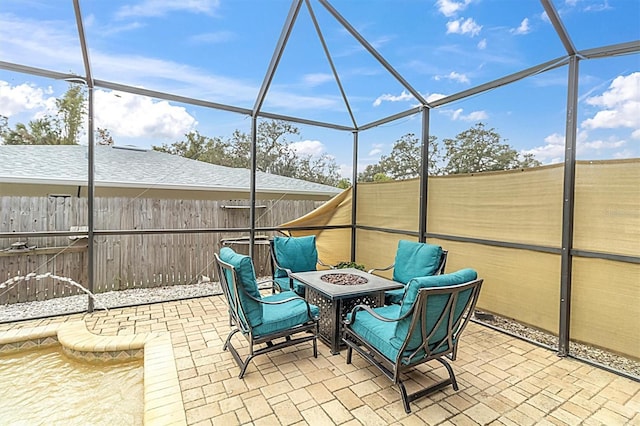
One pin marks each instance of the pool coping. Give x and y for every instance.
(162, 395)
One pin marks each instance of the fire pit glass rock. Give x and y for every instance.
(340, 278)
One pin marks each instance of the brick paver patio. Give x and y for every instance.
(503, 380)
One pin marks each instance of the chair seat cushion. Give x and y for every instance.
(381, 334)
(415, 260)
(283, 316)
(247, 277)
(377, 333)
(394, 296)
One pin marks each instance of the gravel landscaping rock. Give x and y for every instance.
(593, 354)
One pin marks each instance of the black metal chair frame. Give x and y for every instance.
(239, 323)
(439, 270)
(445, 347)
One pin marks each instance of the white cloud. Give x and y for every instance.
(404, 96)
(212, 38)
(21, 98)
(450, 8)
(620, 103)
(464, 26)
(476, 116)
(545, 18)
(316, 79)
(346, 171)
(37, 37)
(482, 44)
(553, 150)
(435, 96)
(376, 150)
(308, 147)
(598, 7)
(457, 115)
(523, 28)
(128, 115)
(598, 145)
(461, 78)
(163, 7)
(35, 42)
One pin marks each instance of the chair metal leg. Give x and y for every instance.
(349, 353)
(405, 399)
(226, 343)
(315, 348)
(452, 376)
(244, 366)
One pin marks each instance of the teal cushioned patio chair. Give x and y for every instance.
(426, 326)
(262, 320)
(293, 254)
(413, 260)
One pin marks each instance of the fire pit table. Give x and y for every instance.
(336, 292)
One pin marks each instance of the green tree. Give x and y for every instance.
(368, 174)
(344, 183)
(198, 147)
(274, 153)
(71, 113)
(479, 150)
(404, 161)
(381, 177)
(43, 131)
(103, 137)
(4, 126)
(63, 128)
(321, 169)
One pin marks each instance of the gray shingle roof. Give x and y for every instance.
(137, 168)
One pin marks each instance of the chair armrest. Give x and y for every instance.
(288, 271)
(276, 265)
(374, 314)
(280, 302)
(321, 263)
(381, 269)
(281, 268)
(274, 284)
(290, 299)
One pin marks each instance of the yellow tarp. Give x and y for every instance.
(334, 245)
(512, 206)
(523, 207)
(607, 207)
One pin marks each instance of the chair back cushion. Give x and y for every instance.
(299, 254)
(435, 306)
(415, 260)
(247, 280)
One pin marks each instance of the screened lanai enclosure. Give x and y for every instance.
(557, 244)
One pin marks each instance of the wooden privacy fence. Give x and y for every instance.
(125, 261)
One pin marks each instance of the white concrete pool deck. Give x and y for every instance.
(503, 380)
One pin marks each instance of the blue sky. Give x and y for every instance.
(219, 51)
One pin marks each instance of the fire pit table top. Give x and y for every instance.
(340, 278)
(339, 283)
